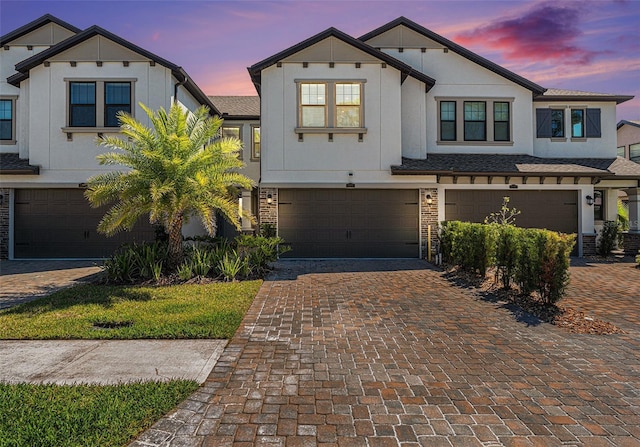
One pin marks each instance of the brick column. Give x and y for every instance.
(428, 216)
(268, 212)
(588, 244)
(631, 244)
(4, 223)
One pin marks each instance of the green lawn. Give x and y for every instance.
(84, 415)
(128, 312)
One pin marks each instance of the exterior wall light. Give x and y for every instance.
(589, 200)
(269, 199)
(429, 199)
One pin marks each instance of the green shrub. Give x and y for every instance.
(133, 262)
(185, 272)
(554, 266)
(507, 253)
(201, 260)
(608, 238)
(230, 265)
(121, 267)
(536, 260)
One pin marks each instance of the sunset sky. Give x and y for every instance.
(586, 45)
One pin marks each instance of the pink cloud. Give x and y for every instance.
(546, 32)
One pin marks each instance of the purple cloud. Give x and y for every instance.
(548, 31)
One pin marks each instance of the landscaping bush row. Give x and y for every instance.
(241, 258)
(533, 259)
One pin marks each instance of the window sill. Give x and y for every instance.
(254, 159)
(334, 130)
(91, 129)
(558, 140)
(578, 140)
(8, 142)
(474, 143)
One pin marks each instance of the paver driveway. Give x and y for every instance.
(385, 353)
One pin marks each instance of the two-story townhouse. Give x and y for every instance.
(368, 143)
(241, 115)
(61, 89)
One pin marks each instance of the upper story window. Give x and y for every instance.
(82, 104)
(475, 121)
(233, 132)
(313, 105)
(348, 113)
(598, 204)
(634, 152)
(501, 121)
(255, 142)
(448, 120)
(7, 121)
(330, 106)
(554, 123)
(557, 124)
(577, 123)
(621, 151)
(117, 98)
(94, 104)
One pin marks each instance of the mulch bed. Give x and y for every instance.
(565, 317)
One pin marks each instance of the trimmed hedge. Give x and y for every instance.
(534, 259)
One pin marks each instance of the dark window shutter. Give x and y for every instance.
(594, 127)
(543, 123)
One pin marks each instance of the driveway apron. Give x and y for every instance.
(387, 353)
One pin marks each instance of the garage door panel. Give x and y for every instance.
(349, 223)
(554, 210)
(59, 223)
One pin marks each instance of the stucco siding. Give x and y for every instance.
(603, 147)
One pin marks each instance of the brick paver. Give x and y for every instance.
(607, 290)
(388, 353)
(22, 281)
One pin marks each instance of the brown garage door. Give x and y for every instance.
(554, 210)
(346, 223)
(59, 223)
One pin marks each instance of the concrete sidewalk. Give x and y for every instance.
(107, 361)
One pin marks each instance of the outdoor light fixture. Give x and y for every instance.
(269, 199)
(429, 199)
(589, 200)
(1, 199)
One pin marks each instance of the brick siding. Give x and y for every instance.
(268, 213)
(4, 223)
(428, 216)
(631, 244)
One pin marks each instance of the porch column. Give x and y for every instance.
(246, 208)
(634, 209)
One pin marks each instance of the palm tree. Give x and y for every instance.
(178, 169)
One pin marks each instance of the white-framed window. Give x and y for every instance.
(93, 104)
(233, 131)
(255, 142)
(475, 121)
(557, 123)
(621, 151)
(330, 106)
(8, 120)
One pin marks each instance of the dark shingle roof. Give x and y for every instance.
(247, 107)
(556, 94)
(12, 164)
(494, 164)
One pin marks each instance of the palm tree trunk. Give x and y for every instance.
(175, 243)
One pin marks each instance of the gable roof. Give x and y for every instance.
(555, 94)
(37, 23)
(452, 46)
(634, 123)
(256, 69)
(239, 107)
(178, 72)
